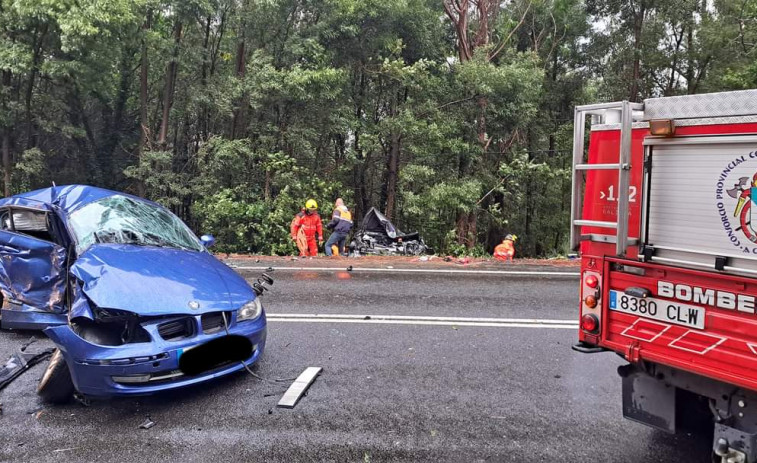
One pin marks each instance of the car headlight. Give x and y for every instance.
(250, 311)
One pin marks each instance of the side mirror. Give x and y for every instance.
(208, 240)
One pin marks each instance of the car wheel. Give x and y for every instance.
(56, 386)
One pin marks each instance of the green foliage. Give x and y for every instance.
(277, 101)
(31, 170)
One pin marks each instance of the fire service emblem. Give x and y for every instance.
(737, 208)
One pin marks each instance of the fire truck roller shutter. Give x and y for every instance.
(702, 195)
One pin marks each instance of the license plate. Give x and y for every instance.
(691, 316)
(214, 353)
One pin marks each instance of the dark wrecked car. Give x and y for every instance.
(131, 297)
(378, 236)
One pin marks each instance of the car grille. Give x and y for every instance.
(213, 321)
(177, 329)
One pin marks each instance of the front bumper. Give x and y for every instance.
(93, 366)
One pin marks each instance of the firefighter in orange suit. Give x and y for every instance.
(298, 233)
(309, 224)
(506, 250)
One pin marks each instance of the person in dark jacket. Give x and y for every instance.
(341, 224)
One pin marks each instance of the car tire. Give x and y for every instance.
(56, 385)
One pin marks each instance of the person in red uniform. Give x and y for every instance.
(298, 234)
(506, 250)
(309, 223)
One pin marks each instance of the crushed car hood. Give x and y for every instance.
(158, 281)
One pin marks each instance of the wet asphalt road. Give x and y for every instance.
(387, 393)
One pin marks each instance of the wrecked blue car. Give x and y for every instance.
(131, 297)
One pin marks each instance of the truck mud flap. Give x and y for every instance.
(648, 400)
(587, 348)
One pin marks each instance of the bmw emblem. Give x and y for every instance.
(194, 305)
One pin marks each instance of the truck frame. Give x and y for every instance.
(661, 212)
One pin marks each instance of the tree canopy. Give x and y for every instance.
(453, 117)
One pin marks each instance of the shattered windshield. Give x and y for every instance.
(122, 220)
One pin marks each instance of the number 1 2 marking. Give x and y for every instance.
(611, 194)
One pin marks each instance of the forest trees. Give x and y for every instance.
(453, 117)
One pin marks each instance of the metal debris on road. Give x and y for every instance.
(82, 399)
(20, 362)
(298, 387)
(147, 424)
(65, 450)
(28, 343)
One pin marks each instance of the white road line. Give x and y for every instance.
(421, 322)
(411, 270)
(421, 317)
(424, 320)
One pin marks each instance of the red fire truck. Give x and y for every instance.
(663, 203)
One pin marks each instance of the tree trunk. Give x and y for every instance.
(143, 82)
(39, 37)
(472, 231)
(205, 118)
(690, 86)
(116, 122)
(239, 122)
(483, 102)
(461, 224)
(358, 171)
(7, 162)
(6, 135)
(392, 173)
(171, 71)
(267, 185)
(637, 31)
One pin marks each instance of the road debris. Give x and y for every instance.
(299, 387)
(65, 450)
(82, 399)
(378, 236)
(147, 424)
(20, 362)
(28, 343)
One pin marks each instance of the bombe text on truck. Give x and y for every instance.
(664, 214)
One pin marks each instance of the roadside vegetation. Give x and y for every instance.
(453, 117)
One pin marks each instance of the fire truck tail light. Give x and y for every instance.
(662, 127)
(590, 301)
(591, 281)
(590, 323)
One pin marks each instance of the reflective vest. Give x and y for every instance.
(341, 220)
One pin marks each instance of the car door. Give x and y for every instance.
(32, 264)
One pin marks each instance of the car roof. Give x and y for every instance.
(67, 198)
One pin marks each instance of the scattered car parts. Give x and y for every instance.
(378, 236)
(19, 363)
(298, 387)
